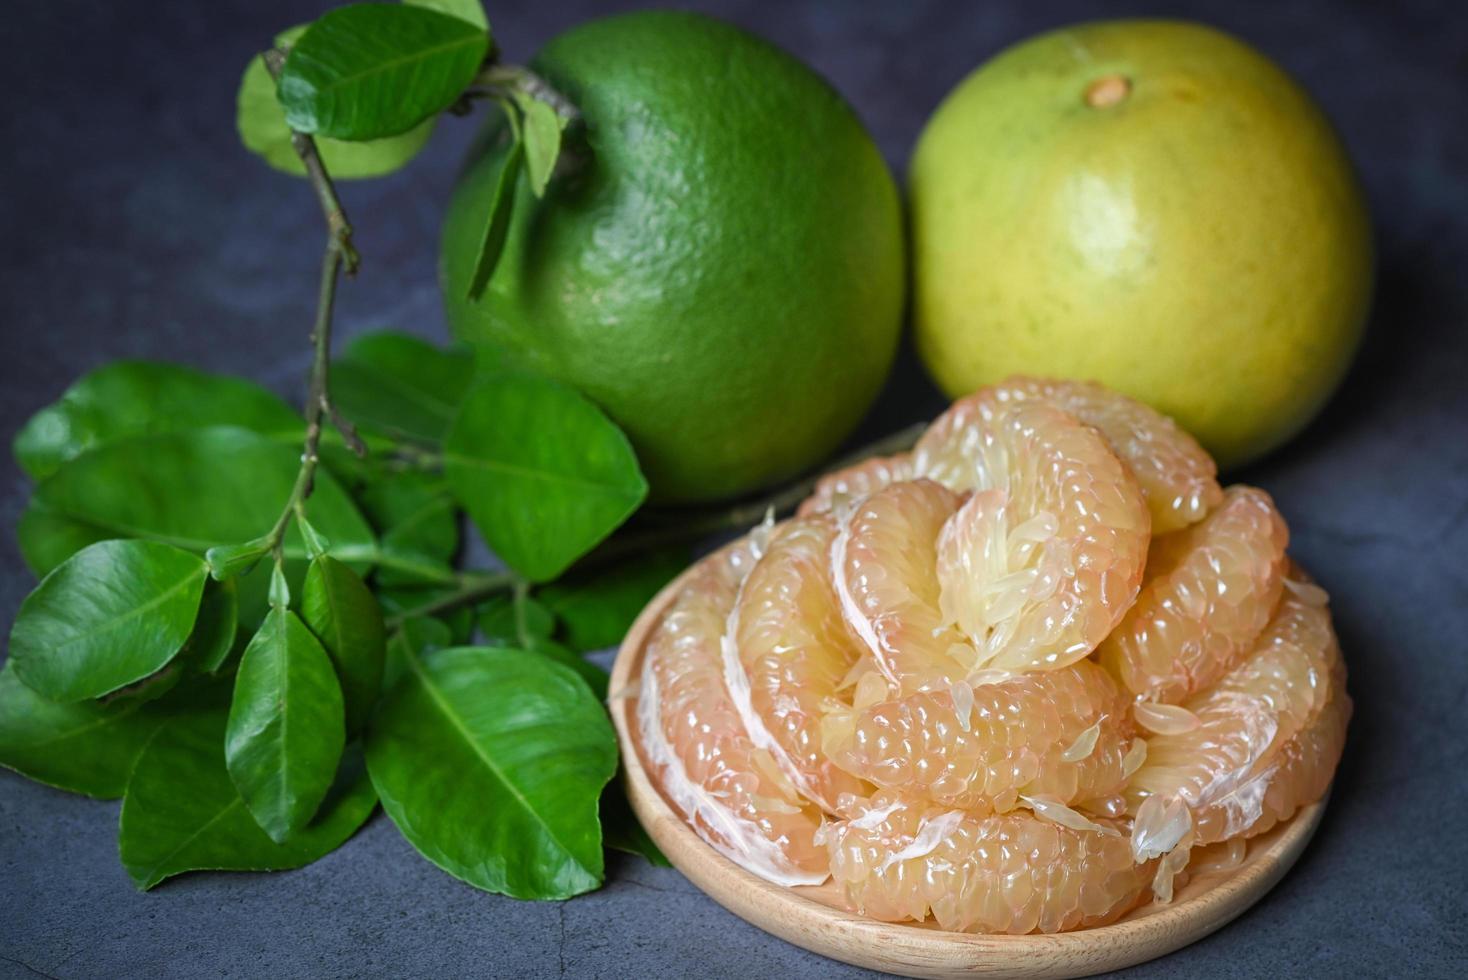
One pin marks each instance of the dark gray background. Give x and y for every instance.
(134, 225)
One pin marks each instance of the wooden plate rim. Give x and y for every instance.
(1205, 904)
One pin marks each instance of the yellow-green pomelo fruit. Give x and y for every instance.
(722, 269)
(1149, 204)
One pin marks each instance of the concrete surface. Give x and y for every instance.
(136, 226)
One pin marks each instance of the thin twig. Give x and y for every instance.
(499, 80)
(318, 401)
(339, 254)
(474, 588)
(305, 147)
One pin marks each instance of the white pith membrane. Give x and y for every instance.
(735, 838)
(727, 832)
(1164, 719)
(1084, 744)
(932, 831)
(736, 679)
(849, 608)
(1057, 812)
(988, 574)
(1308, 592)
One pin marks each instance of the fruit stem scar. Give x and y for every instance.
(1107, 91)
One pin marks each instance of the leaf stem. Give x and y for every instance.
(473, 587)
(498, 81)
(339, 254)
(336, 216)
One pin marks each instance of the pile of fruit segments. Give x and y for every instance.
(1021, 679)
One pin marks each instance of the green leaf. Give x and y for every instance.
(542, 137)
(594, 676)
(280, 588)
(491, 763)
(285, 732)
(316, 542)
(507, 621)
(415, 637)
(262, 128)
(85, 747)
(230, 561)
(417, 521)
(133, 398)
(596, 609)
(339, 608)
(194, 490)
(621, 829)
(497, 222)
(182, 812)
(543, 473)
(216, 627)
(109, 616)
(399, 601)
(401, 387)
(371, 70)
(470, 10)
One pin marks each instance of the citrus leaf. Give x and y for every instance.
(263, 130)
(110, 615)
(594, 676)
(399, 386)
(541, 133)
(470, 10)
(491, 763)
(84, 747)
(399, 600)
(230, 561)
(415, 637)
(506, 621)
(216, 627)
(497, 222)
(372, 70)
(416, 520)
(543, 473)
(339, 608)
(132, 398)
(285, 733)
(192, 489)
(182, 812)
(596, 609)
(621, 829)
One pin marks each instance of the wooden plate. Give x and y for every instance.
(812, 917)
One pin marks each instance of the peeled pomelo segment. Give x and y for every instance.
(1300, 774)
(1176, 475)
(1224, 769)
(843, 489)
(787, 652)
(1061, 735)
(728, 788)
(1047, 555)
(897, 859)
(1208, 592)
(883, 563)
